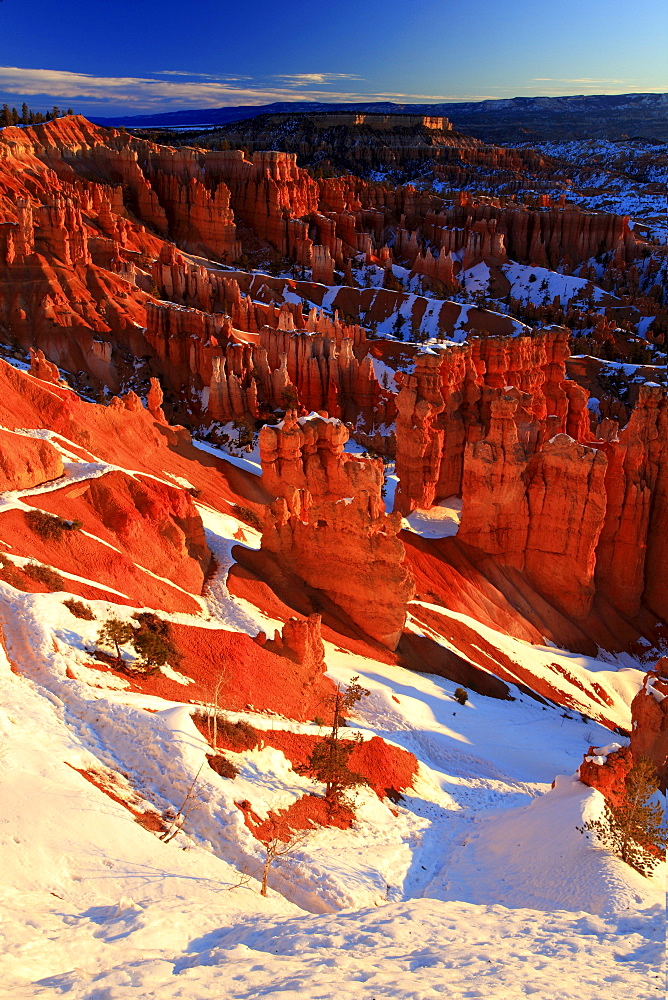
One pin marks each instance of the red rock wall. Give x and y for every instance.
(635, 485)
(649, 712)
(338, 538)
(578, 515)
(495, 511)
(308, 454)
(565, 489)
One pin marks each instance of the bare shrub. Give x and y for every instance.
(43, 574)
(237, 735)
(11, 574)
(462, 696)
(247, 515)
(222, 766)
(79, 610)
(49, 527)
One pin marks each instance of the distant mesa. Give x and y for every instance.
(517, 119)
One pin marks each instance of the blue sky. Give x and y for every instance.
(143, 55)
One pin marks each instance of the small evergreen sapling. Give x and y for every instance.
(634, 830)
(150, 640)
(330, 759)
(115, 633)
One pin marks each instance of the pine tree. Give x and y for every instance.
(634, 829)
(152, 642)
(330, 759)
(154, 650)
(25, 114)
(115, 633)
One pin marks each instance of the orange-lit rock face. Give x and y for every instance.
(649, 739)
(497, 421)
(26, 462)
(633, 541)
(446, 402)
(566, 507)
(495, 513)
(307, 454)
(649, 714)
(329, 527)
(157, 524)
(349, 550)
(607, 772)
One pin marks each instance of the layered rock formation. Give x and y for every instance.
(566, 505)
(649, 712)
(447, 400)
(607, 769)
(635, 487)
(328, 524)
(579, 510)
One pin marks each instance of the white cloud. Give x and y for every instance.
(304, 79)
(222, 77)
(169, 89)
(582, 79)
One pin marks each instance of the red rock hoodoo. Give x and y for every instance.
(328, 525)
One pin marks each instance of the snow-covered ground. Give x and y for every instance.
(475, 883)
(482, 886)
(629, 178)
(537, 285)
(440, 521)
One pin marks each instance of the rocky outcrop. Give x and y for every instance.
(156, 524)
(43, 369)
(266, 191)
(544, 236)
(565, 490)
(635, 487)
(649, 714)
(307, 453)
(337, 539)
(420, 437)
(606, 768)
(656, 565)
(300, 640)
(495, 511)
(26, 462)
(447, 401)
(496, 421)
(320, 361)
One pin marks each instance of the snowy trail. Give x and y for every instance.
(405, 951)
(431, 902)
(221, 535)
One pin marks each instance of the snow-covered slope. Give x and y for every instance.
(473, 881)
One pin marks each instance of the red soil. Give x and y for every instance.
(116, 788)
(155, 525)
(304, 814)
(26, 461)
(254, 676)
(475, 647)
(388, 769)
(75, 553)
(124, 434)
